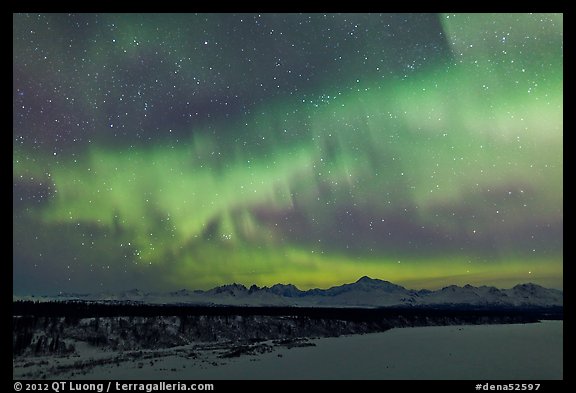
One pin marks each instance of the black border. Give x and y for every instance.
(334, 6)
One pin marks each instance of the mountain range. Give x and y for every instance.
(366, 292)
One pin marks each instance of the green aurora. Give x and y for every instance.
(447, 174)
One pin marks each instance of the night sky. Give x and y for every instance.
(169, 151)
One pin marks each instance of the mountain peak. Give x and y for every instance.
(365, 292)
(287, 290)
(366, 283)
(231, 289)
(527, 285)
(366, 279)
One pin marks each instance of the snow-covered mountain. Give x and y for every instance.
(366, 292)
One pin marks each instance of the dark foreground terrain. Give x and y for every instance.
(82, 339)
(56, 327)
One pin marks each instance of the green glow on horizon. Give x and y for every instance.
(268, 266)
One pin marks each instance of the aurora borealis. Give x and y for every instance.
(168, 151)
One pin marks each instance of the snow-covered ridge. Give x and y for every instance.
(366, 292)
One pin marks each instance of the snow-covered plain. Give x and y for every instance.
(510, 352)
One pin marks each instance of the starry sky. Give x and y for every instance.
(169, 151)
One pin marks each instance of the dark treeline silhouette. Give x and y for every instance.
(469, 314)
(52, 328)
